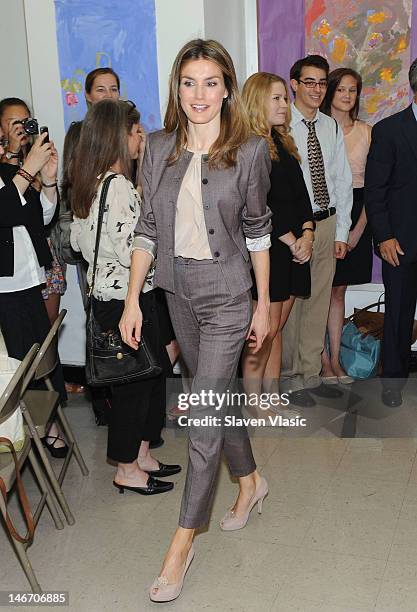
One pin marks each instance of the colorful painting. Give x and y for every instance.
(121, 35)
(371, 36)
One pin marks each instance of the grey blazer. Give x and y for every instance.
(234, 201)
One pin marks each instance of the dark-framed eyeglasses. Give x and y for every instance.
(311, 83)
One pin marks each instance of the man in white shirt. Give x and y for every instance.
(328, 179)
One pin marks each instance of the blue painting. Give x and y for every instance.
(113, 33)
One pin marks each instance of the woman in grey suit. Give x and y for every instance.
(205, 183)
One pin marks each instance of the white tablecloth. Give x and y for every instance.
(8, 365)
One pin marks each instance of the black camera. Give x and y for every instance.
(30, 125)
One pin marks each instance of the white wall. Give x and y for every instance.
(44, 67)
(176, 23)
(224, 20)
(231, 22)
(14, 63)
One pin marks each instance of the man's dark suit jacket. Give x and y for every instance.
(391, 182)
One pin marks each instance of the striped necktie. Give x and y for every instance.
(316, 164)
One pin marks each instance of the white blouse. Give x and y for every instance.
(190, 227)
(121, 214)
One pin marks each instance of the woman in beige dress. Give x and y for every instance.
(342, 103)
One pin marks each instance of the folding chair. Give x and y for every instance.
(41, 408)
(9, 403)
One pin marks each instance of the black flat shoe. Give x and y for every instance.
(392, 398)
(153, 487)
(59, 452)
(326, 391)
(164, 470)
(156, 443)
(302, 398)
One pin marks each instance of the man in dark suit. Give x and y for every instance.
(391, 207)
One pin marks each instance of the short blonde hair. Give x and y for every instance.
(255, 92)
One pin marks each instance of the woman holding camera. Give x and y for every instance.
(14, 116)
(24, 251)
(110, 139)
(15, 122)
(205, 182)
(13, 113)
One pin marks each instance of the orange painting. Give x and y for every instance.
(373, 37)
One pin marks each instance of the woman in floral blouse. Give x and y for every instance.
(111, 138)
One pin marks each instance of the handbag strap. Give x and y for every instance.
(379, 303)
(102, 203)
(22, 497)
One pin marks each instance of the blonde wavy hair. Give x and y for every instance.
(254, 94)
(234, 127)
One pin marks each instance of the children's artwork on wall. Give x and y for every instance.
(371, 37)
(108, 33)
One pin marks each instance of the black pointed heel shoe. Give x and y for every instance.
(153, 487)
(164, 470)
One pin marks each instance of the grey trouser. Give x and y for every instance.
(210, 327)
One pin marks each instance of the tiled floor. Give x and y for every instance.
(338, 532)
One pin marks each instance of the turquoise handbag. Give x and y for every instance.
(359, 353)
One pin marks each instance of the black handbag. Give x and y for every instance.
(109, 360)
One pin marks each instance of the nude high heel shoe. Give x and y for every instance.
(231, 522)
(166, 591)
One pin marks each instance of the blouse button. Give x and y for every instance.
(216, 254)
(204, 181)
(211, 231)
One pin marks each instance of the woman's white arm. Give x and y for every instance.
(131, 322)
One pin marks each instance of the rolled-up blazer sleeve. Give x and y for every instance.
(145, 231)
(256, 215)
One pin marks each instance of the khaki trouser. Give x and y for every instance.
(304, 332)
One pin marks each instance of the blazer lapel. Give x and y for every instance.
(410, 128)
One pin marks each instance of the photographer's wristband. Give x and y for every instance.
(49, 184)
(24, 174)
